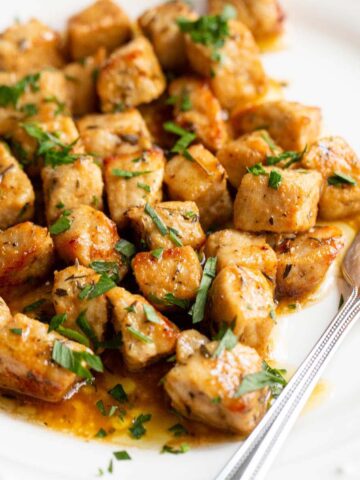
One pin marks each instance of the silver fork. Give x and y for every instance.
(254, 457)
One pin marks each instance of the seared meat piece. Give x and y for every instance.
(102, 24)
(91, 237)
(282, 201)
(114, 133)
(132, 179)
(239, 78)
(16, 191)
(131, 76)
(68, 285)
(238, 155)
(69, 186)
(304, 259)
(26, 364)
(160, 27)
(203, 387)
(81, 83)
(292, 125)
(176, 273)
(181, 217)
(263, 17)
(146, 334)
(189, 341)
(29, 47)
(26, 253)
(197, 109)
(202, 181)
(243, 297)
(241, 248)
(340, 167)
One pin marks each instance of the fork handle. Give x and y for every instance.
(256, 454)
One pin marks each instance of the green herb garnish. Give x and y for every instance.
(16, 331)
(341, 179)
(292, 157)
(117, 172)
(144, 186)
(122, 455)
(104, 284)
(157, 253)
(76, 361)
(186, 138)
(101, 433)
(256, 169)
(34, 306)
(118, 393)
(274, 179)
(227, 342)
(138, 335)
(178, 430)
(267, 377)
(61, 225)
(137, 430)
(57, 321)
(160, 225)
(209, 273)
(111, 268)
(183, 448)
(126, 249)
(151, 315)
(10, 95)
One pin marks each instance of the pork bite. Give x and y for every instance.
(169, 278)
(167, 224)
(16, 192)
(159, 25)
(203, 181)
(29, 47)
(132, 180)
(114, 133)
(304, 259)
(241, 248)
(292, 125)
(243, 298)
(198, 110)
(282, 201)
(189, 341)
(264, 18)
(204, 387)
(81, 83)
(239, 77)
(69, 186)
(146, 334)
(102, 24)
(246, 151)
(68, 296)
(340, 168)
(26, 253)
(90, 238)
(26, 365)
(132, 75)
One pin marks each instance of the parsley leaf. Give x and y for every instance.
(178, 430)
(183, 448)
(117, 172)
(126, 249)
(56, 321)
(16, 331)
(10, 94)
(256, 169)
(75, 361)
(157, 253)
(228, 342)
(137, 430)
(34, 306)
(104, 284)
(341, 179)
(151, 315)
(118, 393)
(122, 455)
(138, 335)
(144, 186)
(170, 299)
(293, 157)
(186, 138)
(156, 219)
(86, 328)
(274, 179)
(267, 377)
(111, 268)
(62, 224)
(209, 273)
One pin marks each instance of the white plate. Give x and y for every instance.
(321, 62)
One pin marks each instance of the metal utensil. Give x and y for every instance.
(254, 457)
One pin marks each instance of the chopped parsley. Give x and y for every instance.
(137, 430)
(144, 186)
(34, 306)
(104, 284)
(138, 335)
(122, 455)
(170, 299)
(256, 169)
(101, 433)
(157, 253)
(341, 179)
(292, 157)
(10, 94)
(274, 179)
(183, 448)
(151, 315)
(16, 331)
(50, 147)
(62, 224)
(110, 268)
(178, 430)
(267, 377)
(174, 237)
(209, 273)
(86, 328)
(126, 249)
(182, 100)
(227, 342)
(60, 106)
(160, 225)
(118, 393)
(78, 362)
(186, 138)
(29, 109)
(57, 321)
(117, 172)
(209, 30)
